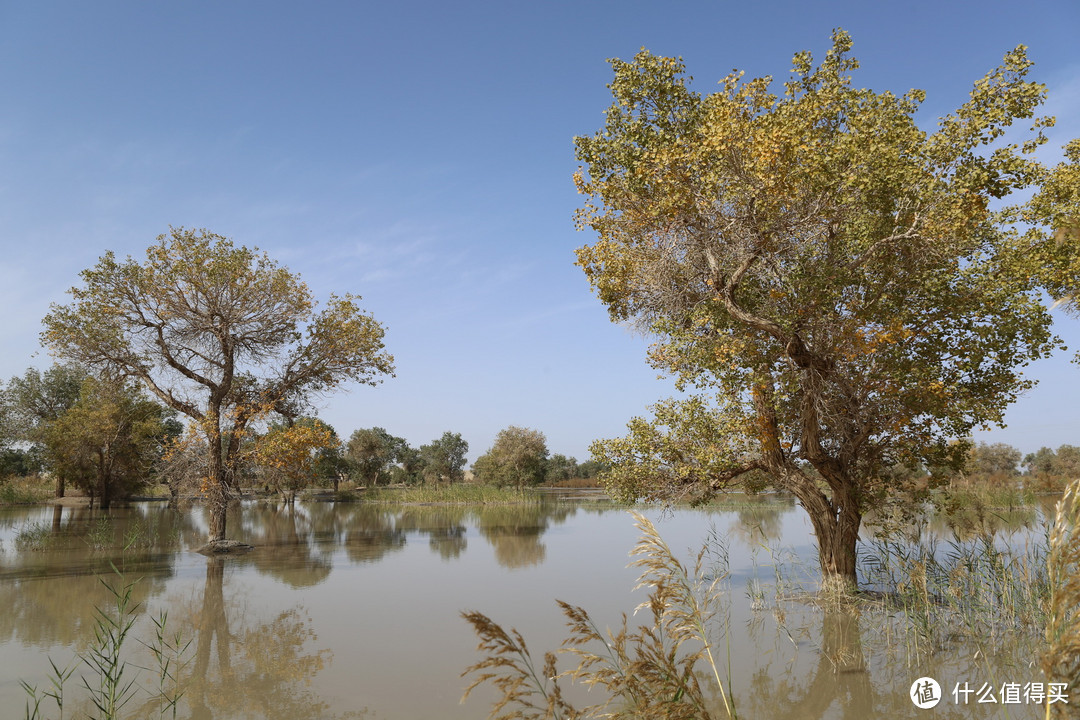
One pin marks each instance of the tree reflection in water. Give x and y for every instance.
(371, 533)
(840, 676)
(254, 651)
(759, 523)
(514, 531)
(285, 535)
(444, 526)
(243, 668)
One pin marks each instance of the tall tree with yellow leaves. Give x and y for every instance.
(831, 281)
(289, 454)
(220, 333)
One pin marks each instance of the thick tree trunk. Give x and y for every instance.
(60, 485)
(217, 494)
(218, 504)
(837, 533)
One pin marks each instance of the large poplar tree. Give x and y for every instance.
(220, 333)
(836, 285)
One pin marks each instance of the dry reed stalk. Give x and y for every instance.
(647, 673)
(1061, 659)
(511, 669)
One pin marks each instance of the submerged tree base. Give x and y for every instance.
(225, 547)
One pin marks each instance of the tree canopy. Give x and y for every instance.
(373, 453)
(290, 453)
(220, 333)
(107, 442)
(444, 458)
(1055, 259)
(518, 457)
(830, 282)
(32, 402)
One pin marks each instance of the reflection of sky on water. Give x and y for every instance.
(370, 596)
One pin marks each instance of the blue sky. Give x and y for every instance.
(420, 154)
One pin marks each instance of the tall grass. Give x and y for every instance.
(1061, 658)
(24, 491)
(972, 591)
(453, 494)
(35, 537)
(137, 534)
(111, 686)
(650, 672)
(112, 682)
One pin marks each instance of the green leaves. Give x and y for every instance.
(1054, 257)
(518, 457)
(442, 459)
(829, 277)
(220, 333)
(686, 452)
(107, 441)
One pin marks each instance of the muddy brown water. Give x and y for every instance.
(353, 610)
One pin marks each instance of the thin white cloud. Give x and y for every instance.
(527, 320)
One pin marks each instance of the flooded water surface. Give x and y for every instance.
(353, 610)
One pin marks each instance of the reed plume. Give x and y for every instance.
(1061, 659)
(650, 672)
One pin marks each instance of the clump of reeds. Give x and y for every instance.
(965, 590)
(650, 672)
(528, 691)
(99, 536)
(35, 537)
(112, 682)
(453, 494)
(24, 490)
(1061, 658)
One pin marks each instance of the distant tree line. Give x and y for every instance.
(109, 439)
(518, 458)
(375, 457)
(999, 464)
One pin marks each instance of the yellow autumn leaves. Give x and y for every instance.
(292, 450)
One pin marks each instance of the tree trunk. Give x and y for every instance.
(60, 484)
(837, 533)
(216, 496)
(218, 504)
(104, 486)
